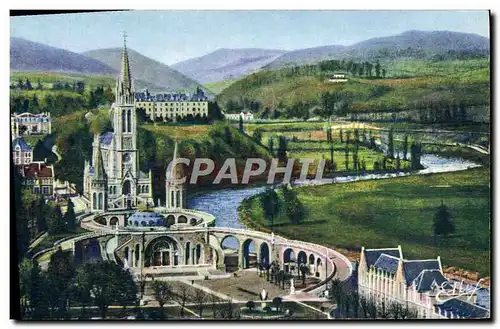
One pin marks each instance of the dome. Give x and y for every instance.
(145, 219)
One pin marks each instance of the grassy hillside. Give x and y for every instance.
(385, 213)
(420, 84)
(219, 86)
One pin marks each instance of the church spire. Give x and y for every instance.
(98, 162)
(125, 73)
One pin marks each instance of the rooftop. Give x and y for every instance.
(22, 144)
(35, 170)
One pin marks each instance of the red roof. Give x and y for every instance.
(34, 170)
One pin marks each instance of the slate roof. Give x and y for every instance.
(22, 144)
(145, 96)
(412, 268)
(372, 255)
(463, 309)
(387, 263)
(424, 281)
(106, 138)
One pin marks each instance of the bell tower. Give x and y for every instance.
(125, 123)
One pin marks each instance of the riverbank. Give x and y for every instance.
(385, 213)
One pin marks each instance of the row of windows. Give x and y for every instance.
(45, 190)
(177, 110)
(18, 161)
(170, 103)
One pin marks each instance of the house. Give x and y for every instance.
(30, 124)
(38, 177)
(22, 152)
(235, 116)
(383, 274)
(338, 77)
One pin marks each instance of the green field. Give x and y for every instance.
(180, 131)
(386, 213)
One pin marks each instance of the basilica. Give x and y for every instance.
(113, 180)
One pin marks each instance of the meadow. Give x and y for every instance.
(399, 211)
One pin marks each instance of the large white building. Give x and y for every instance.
(113, 179)
(172, 106)
(30, 124)
(384, 275)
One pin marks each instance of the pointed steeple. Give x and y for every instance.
(99, 172)
(125, 72)
(175, 172)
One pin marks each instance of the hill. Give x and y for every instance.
(152, 74)
(32, 56)
(436, 45)
(225, 64)
(426, 87)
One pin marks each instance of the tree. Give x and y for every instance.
(60, 273)
(270, 205)
(443, 224)
(257, 135)
(304, 269)
(183, 293)
(28, 85)
(241, 124)
(107, 283)
(282, 146)
(383, 73)
(377, 69)
(405, 147)
(270, 144)
(294, 209)
(55, 221)
(70, 217)
(200, 298)
(390, 145)
(162, 293)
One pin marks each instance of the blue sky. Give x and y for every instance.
(173, 36)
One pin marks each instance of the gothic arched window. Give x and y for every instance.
(129, 121)
(124, 119)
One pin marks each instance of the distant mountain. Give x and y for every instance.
(307, 55)
(32, 56)
(150, 73)
(224, 64)
(410, 44)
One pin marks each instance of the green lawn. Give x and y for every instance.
(386, 213)
(180, 131)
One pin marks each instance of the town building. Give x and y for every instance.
(385, 276)
(172, 106)
(38, 177)
(30, 124)
(22, 152)
(235, 116)
(113, 179)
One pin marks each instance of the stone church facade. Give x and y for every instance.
(113, 179)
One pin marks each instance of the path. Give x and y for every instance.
(38, 240)
(210, 291)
